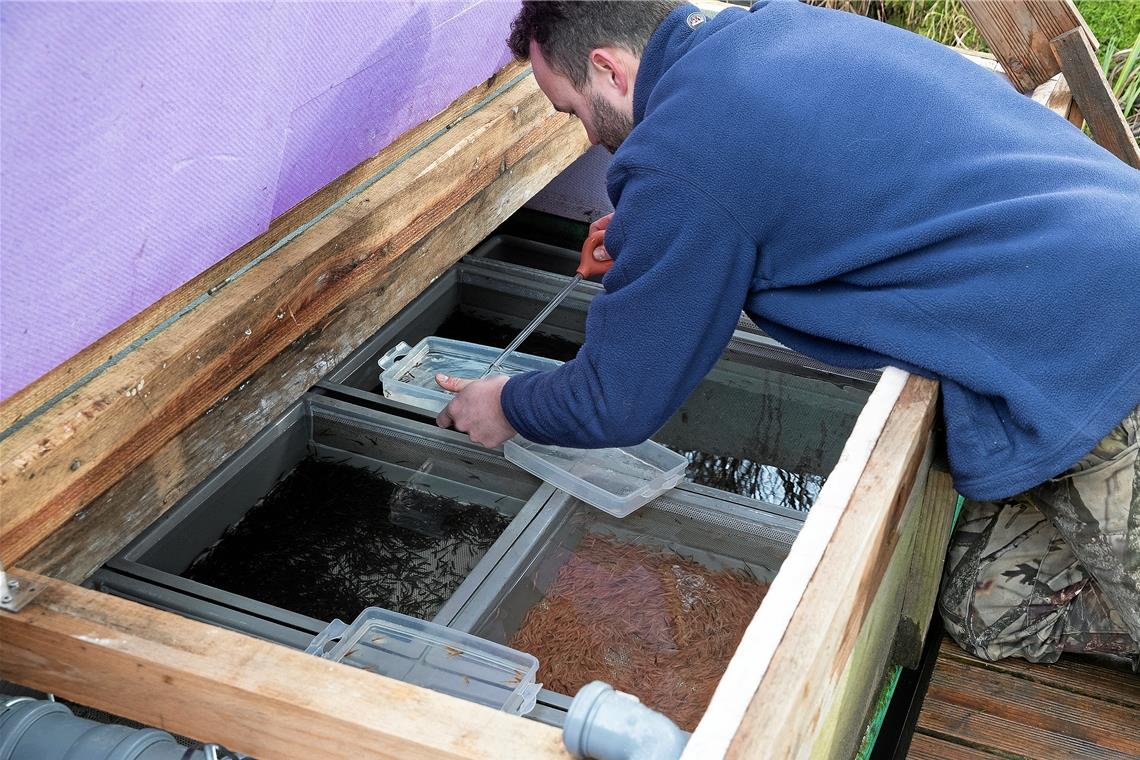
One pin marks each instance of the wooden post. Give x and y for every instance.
(1093, 95)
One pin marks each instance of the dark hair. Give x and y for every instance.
(566, 32)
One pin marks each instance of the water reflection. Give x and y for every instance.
(755, 480)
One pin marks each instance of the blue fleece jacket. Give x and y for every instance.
(869, 198)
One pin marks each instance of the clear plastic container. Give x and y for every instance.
(409, 373)
(616, 481)
(433, 656)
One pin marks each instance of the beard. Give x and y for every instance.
(611, 125)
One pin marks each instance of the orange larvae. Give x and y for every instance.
(646, 621)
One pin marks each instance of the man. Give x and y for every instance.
(869, 198)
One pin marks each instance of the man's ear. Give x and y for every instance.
(607, 71)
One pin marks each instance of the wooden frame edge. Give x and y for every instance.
(249, 695)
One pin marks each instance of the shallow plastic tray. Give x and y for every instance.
(409, 372)
(433, 656)
(616, 481)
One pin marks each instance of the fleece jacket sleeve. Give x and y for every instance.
(682, 270)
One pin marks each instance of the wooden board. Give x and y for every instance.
(81, 445)
(1072, 673)
(826, 588)
(249, 695)
(1018, 33)
(765, 634)
(926, 747)
(1054, 93)
(925, 574)
(1094, 96)
(998, 711)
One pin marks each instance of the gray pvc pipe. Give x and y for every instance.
(36, 729)
(606, 724)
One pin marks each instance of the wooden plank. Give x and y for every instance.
(926, 747)
(766, 632)
(56, 381)
(1091, 90)
(1003, 713)
(110, 522)
(252, 696)
(1018, 33)
(925, 573)
(86, 442)
(1075, 674)
(838, 598)
(856, 694)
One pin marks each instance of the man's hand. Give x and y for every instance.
(476, 409)
(600, 253)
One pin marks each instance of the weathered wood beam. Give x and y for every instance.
(800, 682)
(249, 695)
(70, 452)
(925, 573)
(101, 529)
(1018, 33)
(1094, 97)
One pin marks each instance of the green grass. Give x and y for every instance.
(1115, 22)
(1122, 69)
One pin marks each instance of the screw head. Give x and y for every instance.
(13, 583)
(7, 598)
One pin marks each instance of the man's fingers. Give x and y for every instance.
(601, 254)
(601, 224)
(444, 419)
(453, 384)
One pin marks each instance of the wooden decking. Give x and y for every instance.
(1075, 708)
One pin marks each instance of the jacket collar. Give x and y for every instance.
(684, 25)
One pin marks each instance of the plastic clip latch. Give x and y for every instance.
(332, 631)
(393, 355)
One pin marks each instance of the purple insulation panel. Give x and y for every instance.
(142, 142)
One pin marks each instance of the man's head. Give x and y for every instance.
(585, 57)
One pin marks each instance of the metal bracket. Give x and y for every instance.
(15, 593)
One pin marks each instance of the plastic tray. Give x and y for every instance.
(616, 481)
(409, 373)
(433, 656)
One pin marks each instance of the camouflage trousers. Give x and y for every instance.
(1055, 569)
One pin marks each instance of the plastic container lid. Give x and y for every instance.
(616, 481)
(433, 656)
(409, 373)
